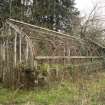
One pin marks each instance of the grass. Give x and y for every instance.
(88, 91)
(63, 93)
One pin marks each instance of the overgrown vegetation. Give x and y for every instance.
(88, 91)
(80, 87)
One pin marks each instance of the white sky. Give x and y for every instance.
(85, 6)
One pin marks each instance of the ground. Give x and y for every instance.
(83, 91)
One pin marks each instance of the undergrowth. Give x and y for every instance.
(88, 91)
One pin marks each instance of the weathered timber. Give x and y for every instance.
(20, 48)
(15, 49)
(68, 57)
(27, 48)
(45, 30)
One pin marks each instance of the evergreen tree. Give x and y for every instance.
(53, 14)
(4, 11)
(4, 8)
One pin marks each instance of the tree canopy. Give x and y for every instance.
(54, 14)
(4, 8)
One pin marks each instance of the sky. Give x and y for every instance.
(85, 6)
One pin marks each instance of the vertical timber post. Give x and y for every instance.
(27, 51)
(3, 52)
(3, 62)
(20, 48)
(15, 49)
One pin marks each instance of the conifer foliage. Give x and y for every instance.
(53, 14)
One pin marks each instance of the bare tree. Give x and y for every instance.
(92, 27)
